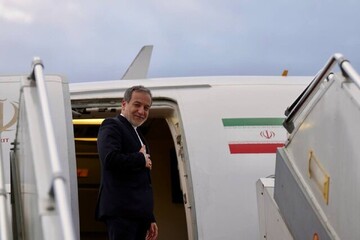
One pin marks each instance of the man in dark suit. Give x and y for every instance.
(125, 200)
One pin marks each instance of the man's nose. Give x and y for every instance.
(141, 110)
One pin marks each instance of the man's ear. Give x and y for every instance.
(123, 103)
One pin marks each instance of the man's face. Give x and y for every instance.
(136, 111)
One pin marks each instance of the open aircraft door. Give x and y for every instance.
(42, 162)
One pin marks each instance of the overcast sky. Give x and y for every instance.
(88, 40)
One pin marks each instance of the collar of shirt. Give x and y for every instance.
(135, 128)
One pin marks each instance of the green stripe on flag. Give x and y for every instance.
(231, 122)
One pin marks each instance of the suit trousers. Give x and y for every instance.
(120, 228)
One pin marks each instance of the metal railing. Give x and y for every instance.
(347, 70)
(58, 188)
(4, 217)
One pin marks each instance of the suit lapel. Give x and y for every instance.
(131, 129)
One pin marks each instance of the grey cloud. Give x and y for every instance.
(93, 40)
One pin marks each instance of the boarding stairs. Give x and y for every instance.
(43, 179)
(314, 194)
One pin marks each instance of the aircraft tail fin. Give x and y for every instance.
(138, 69)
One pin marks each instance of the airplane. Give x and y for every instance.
(211, 139)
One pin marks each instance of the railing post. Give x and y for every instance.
(347, 69)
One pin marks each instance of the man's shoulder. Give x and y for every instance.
(115, 121)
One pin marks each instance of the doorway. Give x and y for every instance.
(168, 196)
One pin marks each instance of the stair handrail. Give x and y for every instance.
(347, 70)
(58, 188)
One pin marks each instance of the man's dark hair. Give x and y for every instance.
(139, 88)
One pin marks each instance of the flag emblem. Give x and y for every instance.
(254, 135)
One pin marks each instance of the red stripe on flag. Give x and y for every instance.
(254, 148)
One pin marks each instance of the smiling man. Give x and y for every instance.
(125, 200)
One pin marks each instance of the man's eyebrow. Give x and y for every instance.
(139, 102)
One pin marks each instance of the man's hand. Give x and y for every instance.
(152, 233)
(148, 163)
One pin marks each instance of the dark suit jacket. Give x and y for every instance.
(125, 188)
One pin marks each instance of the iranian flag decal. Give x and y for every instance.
(254, 135)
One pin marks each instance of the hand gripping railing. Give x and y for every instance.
(59, 186)
(347, 70)
(4, 217)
